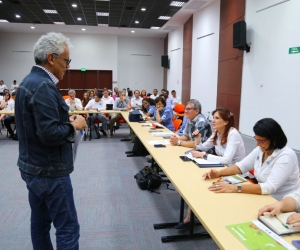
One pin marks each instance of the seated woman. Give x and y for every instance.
(148, 107)
(85, 99)
(163, 114)
(289, 203)
(91, 94)
(144, 94)
(228, 144)
(7, 104)
(121, 103)
(275, 164)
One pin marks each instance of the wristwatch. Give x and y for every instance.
(239, 187)
(204, 156)
(178, 142)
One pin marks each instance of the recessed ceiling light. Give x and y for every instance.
(79, 18)
(177, 4)
(0, 1)
(155, 28)
(58, 22)
(103, 24)
(164, 17)
(102, 14)
(137, 22)
(3, 21)
(132, 31)
(32, 27)
(74, 5)
(50, 11)
(83, 29)
(18, 16)
(143, 9)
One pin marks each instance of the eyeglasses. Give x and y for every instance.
(67, 60)
(188, 109)
(260, 142)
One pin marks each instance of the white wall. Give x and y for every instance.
(271, 33)
(175, 53)
(205, 55)
(139, 63)
(103, 52)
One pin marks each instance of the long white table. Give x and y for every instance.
(215, 211)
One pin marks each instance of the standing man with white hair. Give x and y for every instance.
(73, 102)
(46, 133)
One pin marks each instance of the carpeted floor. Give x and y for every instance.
(113, 212)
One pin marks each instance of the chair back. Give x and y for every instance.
(179, 108)
(177, 124)
(65, 97)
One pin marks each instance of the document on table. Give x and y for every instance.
(79, 136)
(164, 142)
(162, 134)
(201, 162)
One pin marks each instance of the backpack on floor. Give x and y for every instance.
(95, 132)
(148, 179)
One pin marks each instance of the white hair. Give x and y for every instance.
(71, 91)
(49, 43)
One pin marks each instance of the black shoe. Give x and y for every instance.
(182, 225)
(11, 136)
(116, 127)
(128, 152)
(103, 132)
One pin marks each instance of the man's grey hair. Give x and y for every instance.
(49, 43)
(71, 91)
(196, 103)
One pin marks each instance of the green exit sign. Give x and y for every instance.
(83, 69)
(294, 50)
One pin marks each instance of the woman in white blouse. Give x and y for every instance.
(275, 164)
(289, 203)
(227, 142)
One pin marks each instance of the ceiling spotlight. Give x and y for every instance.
(102, 13)
(79, 18)
(32, 27)
(0, 1)
(132, 31)
(83, 29)
(74, 5)
(143, 9)
(137, 22)
(18, 16)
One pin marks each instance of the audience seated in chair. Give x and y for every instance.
(121, 103)
(96, 104)
(195, 121)
(72, 102)
(10, 119)
(226, 142)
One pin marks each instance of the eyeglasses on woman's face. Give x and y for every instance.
(260, 141)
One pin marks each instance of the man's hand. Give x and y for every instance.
(79, 122)
(173, 140)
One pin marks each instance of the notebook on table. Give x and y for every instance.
(278, 223)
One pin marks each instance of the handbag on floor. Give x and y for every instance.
(148, 179)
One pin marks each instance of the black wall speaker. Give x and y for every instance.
(165, 61)
(239, 34)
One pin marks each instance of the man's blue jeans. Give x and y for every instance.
(51, 200)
